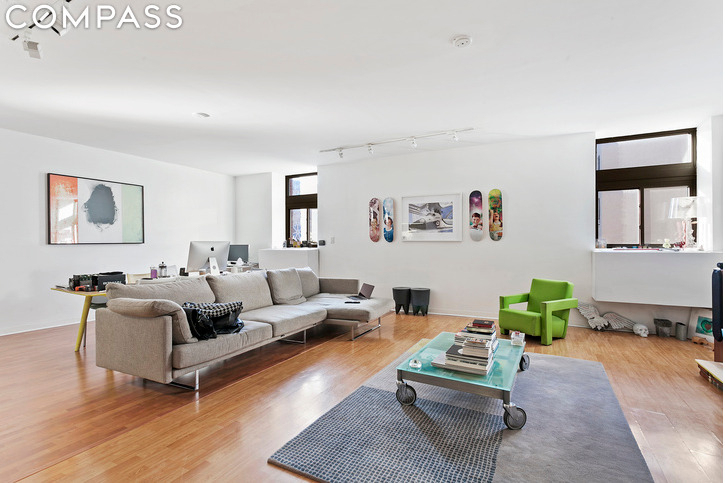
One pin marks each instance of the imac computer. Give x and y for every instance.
(238, 251)
(201, 253)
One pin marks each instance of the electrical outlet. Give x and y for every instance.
(332, 240)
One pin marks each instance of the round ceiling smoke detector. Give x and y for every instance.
(202, 115)
(462, 41)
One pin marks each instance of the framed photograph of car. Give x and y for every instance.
(432, 218)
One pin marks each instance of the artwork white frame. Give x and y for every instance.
(432, 218)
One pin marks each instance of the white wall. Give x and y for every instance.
(548, 201)
(709, 184)
(548, 190)
(181, 204)
(260, 211)
(717, 182)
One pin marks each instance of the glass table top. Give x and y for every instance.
(501, 375)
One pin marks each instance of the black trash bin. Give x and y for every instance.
(663, 327)
(401, 296)
(419, 299)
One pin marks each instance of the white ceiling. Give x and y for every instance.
(286, 79)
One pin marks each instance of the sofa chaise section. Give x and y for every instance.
(364, 315)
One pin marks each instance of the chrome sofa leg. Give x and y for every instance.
(352, 331)
(195, 387)
(292, 341)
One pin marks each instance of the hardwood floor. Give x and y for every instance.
(64, 419)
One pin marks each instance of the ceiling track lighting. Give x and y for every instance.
(413, 140)
(29, 45)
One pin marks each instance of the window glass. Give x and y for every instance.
(657, 224)
(619, 217)
(654, 151)
(313, 225)
(298, 224)
(304, 185)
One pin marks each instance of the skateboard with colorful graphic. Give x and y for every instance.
(374, 219)
(495, 215)
(388, 220)
(475, 215)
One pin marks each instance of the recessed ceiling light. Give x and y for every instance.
(462, 41)
(202, 114)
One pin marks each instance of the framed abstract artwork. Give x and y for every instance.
(701, 324)
(88, 211)
(432, 218)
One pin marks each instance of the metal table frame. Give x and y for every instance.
(514, 417)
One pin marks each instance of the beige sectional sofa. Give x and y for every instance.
(144, 331)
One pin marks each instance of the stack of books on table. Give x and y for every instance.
(473, 350)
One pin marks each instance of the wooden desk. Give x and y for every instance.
(84, 315)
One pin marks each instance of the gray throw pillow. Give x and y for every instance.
(286, 286)
(249, 287)
(310, 281)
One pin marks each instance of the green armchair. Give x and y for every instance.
(547, 312)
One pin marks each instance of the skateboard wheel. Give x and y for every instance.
(405, 395)
(524, 362)
(515, 419)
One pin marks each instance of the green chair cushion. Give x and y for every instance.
(528, 322)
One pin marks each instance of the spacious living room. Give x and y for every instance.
(465, 241)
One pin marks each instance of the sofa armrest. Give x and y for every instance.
(506, 300)
(140, 346)
(339, 285)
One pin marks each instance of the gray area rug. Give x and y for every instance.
(575, 431)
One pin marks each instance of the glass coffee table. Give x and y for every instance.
(497, 383)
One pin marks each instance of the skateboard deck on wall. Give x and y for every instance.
(388, 220)
(495, 215)
(475, 215)
(374, 219)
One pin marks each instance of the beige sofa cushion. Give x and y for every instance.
(286, 286)
(288, 319)
(191, 289)
(310, 281)
(208, 350)
(146, 308)
(249, 287)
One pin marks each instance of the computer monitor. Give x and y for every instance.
(238, 251)
(201, 251)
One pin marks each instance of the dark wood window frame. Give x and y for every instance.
(641, 178)
(297, 202)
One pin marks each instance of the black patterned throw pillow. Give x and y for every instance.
(224, 316)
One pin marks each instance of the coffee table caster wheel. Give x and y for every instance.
(516, 419)
(524, 362)
(405, 395)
